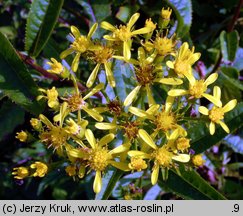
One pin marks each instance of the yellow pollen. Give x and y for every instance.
(165, 121)
(182, 144)
(123, 33)
(164, 45)
(98, 159)
(55, 137)
(163, 157)
(216, 114)
(81, 44)
(137, 164)
(182, 67)
(145, 74)
(103, 55)
(197, 89)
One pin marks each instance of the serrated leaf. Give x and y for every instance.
(190, 185)
(11, 117)
(183, 11)
(15, 80)
(201, 139)
(41, 20)
(235, 142)
(229, 42)
(108, 183)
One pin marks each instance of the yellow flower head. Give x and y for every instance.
(166, 13)
(80, 45)
(124, 33)
(197, 160)
(71, 170)
(20, 172)
(36, 123)
(184, 61)
(74, 128)
(22, 136)
(51, 96)
(41, 169)
(56, 67)
(137, 164)
(150, 24)
(216, 114)
(182, 144)
(131, 129)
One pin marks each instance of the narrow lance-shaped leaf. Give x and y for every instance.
(183, 12)
(42, 18)
(15, 80)
(229, 43)
(190, 185)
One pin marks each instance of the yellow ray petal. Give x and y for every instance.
(213, 99)
(203, 110)
(152, 109)
(90, 138)
(184, 158)
(76, 153)
(130, 98)
(229, 106)
(170, 64)
(119, 149)
(92, 30)
(146, 138)
(45, 121)
(120, 165)
(212, 128)
(169, 103)
(169, 81)
(93, 76)
(150, 95)
(109, 75)
(94, 90)
(75, 32)
(97, 182)
(105, 126)
(141, 54)
(107, 26)
(211, 79)
(75, 62)
(155, 174)
(143, 30)
(65, 53)
(126, 50)
(177, 92)
(140, 154)
(93, 114)
(217, 92)
(140, 113)
(106, 139)
(224, 126)
(132, 20)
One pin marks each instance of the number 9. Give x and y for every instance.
(236, 207)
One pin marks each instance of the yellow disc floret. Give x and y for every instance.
(137, 164)
(216, 114)
(20, 172)
(182, 144)
(99, 159)
(165, 121)
(41, 169)
(163, 157)
(81, 44)
(198, 88)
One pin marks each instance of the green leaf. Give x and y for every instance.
(201, 139)
(229, 43)
(108, 183)
(234, 82)
(11, 117)
(40, 24)
(235, 142)
(238, 63)
(190, 185)
(15, 80)
(183, 12)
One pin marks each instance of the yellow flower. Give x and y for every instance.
(147, 74)
(164, 119)
(58, 68)
(41, 169)
(197, 89)
(184, 61)
(36, 123)
(51, 96)
(216, 113)
(80, 45)
(99, 157)
(76, 129)
(77, 102)
(22, 136)
(20, 172)
(162, 156)
(101, 55)
(71, 170)
(125, 33)
(197, 160)
(166, 13)
(137, 164)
